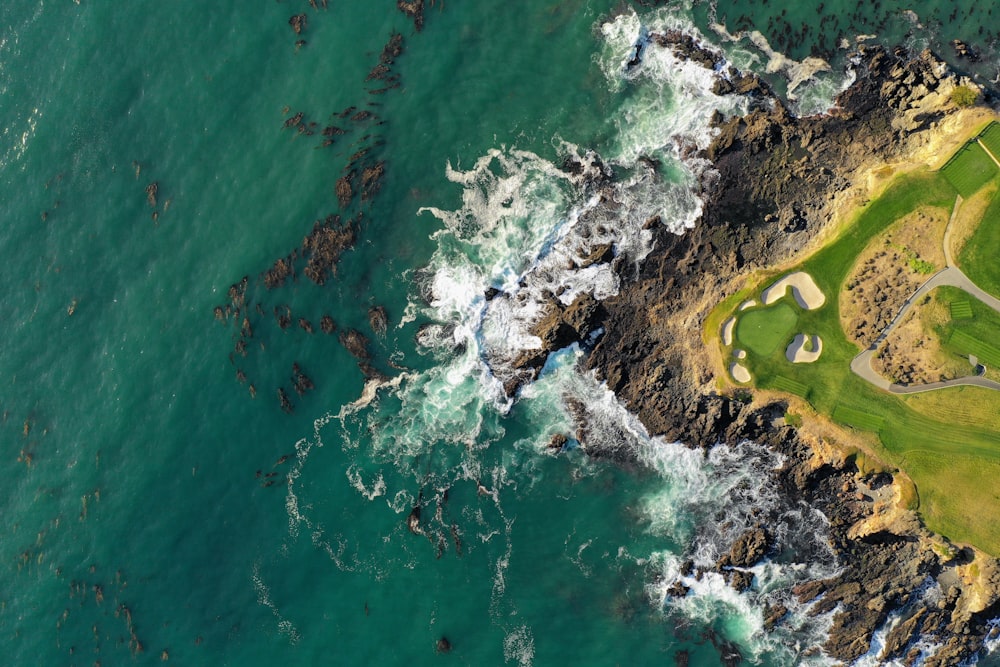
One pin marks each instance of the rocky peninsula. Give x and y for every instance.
(777, 185)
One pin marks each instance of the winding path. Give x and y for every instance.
(950, 276)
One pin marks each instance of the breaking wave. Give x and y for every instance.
(530, 230)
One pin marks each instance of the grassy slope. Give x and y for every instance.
(954, 463)
(980, 257)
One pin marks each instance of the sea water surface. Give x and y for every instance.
(154, 508)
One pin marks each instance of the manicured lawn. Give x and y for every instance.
(764, 330)
(969, 169)
(976, 332)
(991, 137)
(946, 444)
(857, 418)
(961, 309)
(980, 257)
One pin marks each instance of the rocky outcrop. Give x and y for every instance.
(776, 179)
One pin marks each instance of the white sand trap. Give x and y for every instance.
(739, 373)
(727, 331)
(797, 353)
(804, 289)
(748, 304)
(740, 354)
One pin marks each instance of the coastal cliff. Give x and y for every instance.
(776, 185)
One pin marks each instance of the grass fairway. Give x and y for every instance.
(979, 258)
(961, 310)
(764, 330)
(948, 444)
(969, 169)
(975, 331)
(991, 137)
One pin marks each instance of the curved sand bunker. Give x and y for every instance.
(727, 331)
(739, 373)
(797, 353)
(804, 289)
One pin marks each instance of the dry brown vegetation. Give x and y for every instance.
(889, 270)
(912, 353)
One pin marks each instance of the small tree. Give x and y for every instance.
(964, 96)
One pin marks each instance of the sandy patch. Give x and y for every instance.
(748, 304)
(739, 373)
(804, 289)
(740, 354)
(727, 331)
(797, 353)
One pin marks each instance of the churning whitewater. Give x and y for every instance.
(528, 229)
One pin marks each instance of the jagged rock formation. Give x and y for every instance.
(776, 182)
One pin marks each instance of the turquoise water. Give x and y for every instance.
(133, 508)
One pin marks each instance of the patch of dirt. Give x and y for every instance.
(889, 270)
(912, 353)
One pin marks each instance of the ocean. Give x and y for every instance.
(160, 505)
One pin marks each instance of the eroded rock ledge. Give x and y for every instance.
(778, 179)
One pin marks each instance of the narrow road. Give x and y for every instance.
(950, 276)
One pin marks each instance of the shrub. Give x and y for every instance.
(793, 419)
(964, 96)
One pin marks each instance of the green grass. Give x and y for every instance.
(857, 418)
(975, 331)
(788, 385)
(969, 169)
(961, 310)
(953, 462)
(980, 257)
(991, 137)
(965, 344)
(763, 330)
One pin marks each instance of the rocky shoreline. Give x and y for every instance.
(776, 184)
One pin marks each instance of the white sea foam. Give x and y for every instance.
(519, 646)
(672, 99)
(526, 227)
(285, 626)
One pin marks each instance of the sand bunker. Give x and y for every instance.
(748, 304)
(740, 354)
(804, 289)
(727, 331)
(739, 373)
(797, 353)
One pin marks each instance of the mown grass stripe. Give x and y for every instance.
(968, 344)
(857, 418)
(961, 310)
(991, 137)
(791, 386)
(969, 169)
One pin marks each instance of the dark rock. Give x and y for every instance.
(298, 23)
(151, 191)
(355, 343)
(327, 325)
(773, 615)
(414, 10)
(378, 320)
(740, 580)
(558, 441)
(748, 549)
(678, 589)
(286, 405)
